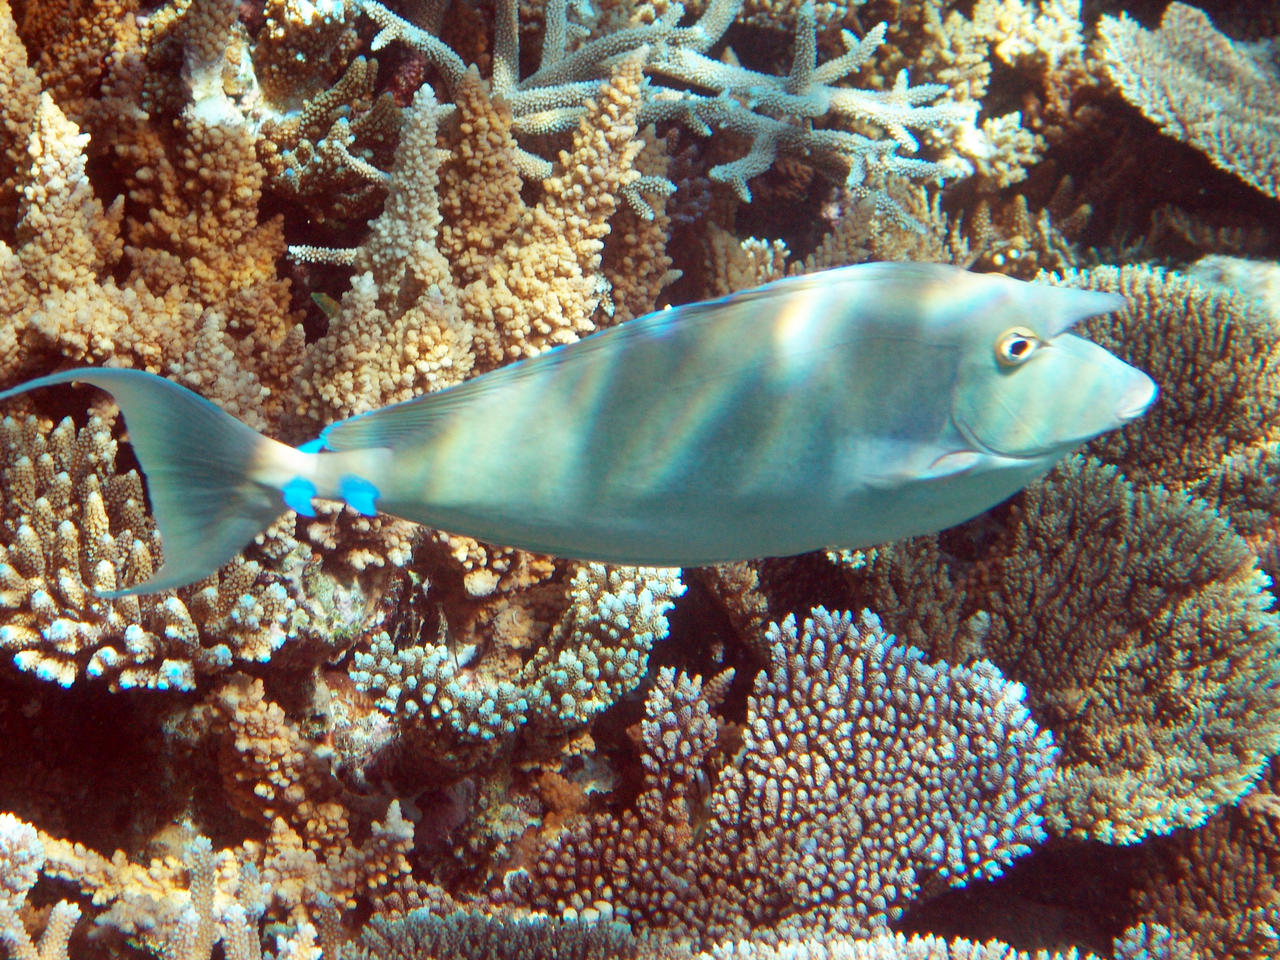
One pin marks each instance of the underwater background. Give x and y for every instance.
(1048, 732)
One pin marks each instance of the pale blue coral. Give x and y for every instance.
(598, 652)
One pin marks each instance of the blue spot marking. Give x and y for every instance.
(297, 496)
(313, 446)
(359, 494)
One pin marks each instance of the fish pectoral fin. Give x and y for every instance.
(947, 464)
(951, 463)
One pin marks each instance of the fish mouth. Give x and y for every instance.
(1137, 400)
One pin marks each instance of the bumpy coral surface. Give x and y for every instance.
(863, 775)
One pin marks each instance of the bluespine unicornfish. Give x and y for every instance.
(841, 409)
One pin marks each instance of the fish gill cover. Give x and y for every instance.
(364, 739)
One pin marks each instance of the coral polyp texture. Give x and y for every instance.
(863, 775)
(361, 738)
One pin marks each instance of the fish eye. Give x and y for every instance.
(1015, 345)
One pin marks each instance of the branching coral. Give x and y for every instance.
(70, 525)
(594, 655)
(21, 857)
(201, 296)
(886, 946)
(330, 155)
(401, 328)
(181, 907)
(1202, 88)
(773, 111)
(446, 712)
(421, 935)
(864, 776)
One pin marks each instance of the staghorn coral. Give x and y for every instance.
(1154, 671)
(221, 901)
(943, 766)
(1202, 88)
(330, 154)
(760, 106)
(399, 329)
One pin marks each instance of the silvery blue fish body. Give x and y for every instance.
(845, 408)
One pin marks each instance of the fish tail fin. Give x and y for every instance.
(200, 465)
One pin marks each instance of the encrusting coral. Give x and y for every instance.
(863, 775)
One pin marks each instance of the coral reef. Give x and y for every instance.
(364, 739)
(73, 526)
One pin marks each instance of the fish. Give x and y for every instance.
(840, 409)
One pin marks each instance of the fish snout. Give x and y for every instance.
(1137, 398)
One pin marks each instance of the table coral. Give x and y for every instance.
(1223, 338)
(1202, 88)
(864, 776)
(1223, 444)
(1214, 889)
